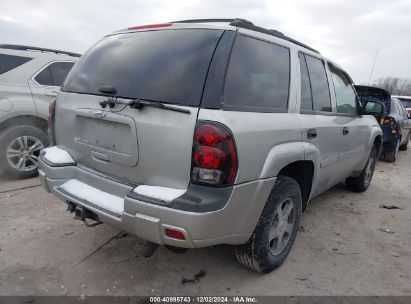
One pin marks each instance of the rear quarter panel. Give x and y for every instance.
(266, 142)
(15, 100)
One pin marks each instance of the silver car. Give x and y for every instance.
(202, 132)
(29, 80)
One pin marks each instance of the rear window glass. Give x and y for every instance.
(258, 75)
(168, 65)
(10, 62)
(405, 103)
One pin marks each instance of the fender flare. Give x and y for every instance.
(280, 156)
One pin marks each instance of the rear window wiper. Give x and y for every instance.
(141, 103)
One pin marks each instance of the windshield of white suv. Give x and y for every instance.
(168, 65)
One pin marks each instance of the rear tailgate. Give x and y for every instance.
(149, 146)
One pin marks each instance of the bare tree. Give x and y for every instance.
(394, 85)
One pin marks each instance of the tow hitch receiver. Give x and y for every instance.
(83, 214)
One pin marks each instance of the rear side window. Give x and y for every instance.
(319, 84)
(306, 96)
(10, 62)
(54, 74)
(393, 107)
(258, 76)
(402, 108)
(405, 103)
(166, 65)
(344, 93)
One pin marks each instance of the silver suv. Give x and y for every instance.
(196, 133)
(29, 80)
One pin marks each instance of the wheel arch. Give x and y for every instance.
(289, 159)
(302, 172)
(30, 120)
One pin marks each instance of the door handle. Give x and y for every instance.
(51, 94)
(312, 133)
(345, 131)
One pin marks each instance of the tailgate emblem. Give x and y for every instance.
(99, 114)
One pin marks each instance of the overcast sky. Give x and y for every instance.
(348, 31)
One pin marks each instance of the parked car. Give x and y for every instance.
(196, 133)
(394, 122)
(29, 80)
(406, 102)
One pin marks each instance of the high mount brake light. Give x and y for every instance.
(147, 26)
(214, 157)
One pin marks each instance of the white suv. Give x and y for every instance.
(29, 80)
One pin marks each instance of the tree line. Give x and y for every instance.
(394, 85)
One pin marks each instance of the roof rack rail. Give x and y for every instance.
(275, 33)
(243, 23)
(33, 48)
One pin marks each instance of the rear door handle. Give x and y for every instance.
(312, 133)
(345, 131)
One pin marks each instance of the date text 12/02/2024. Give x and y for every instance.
(221, 299)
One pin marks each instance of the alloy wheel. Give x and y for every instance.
(23, 153)
(282, 226)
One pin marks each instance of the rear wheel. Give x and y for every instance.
(392, 156)
(362, 182)
(19, 150)
(276, 229)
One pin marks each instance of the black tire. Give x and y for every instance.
(362, 182)
(8, 137)
(404, 147)
(257, 253)
(391, 157)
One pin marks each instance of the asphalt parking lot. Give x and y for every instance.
(342, 249)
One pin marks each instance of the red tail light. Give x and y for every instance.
(147, 26)
(389, 122)
(214, 159)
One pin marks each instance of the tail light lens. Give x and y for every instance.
(50, 122)
(214, 157)
(389, 122)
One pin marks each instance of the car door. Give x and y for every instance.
(404, 122)
(46, 83)
(320, 134)
(353, 128)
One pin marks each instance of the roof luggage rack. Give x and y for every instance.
(33, 48)
(246, 24)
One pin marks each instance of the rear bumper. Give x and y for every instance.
(232, 224)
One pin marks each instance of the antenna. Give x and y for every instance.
(373, 66)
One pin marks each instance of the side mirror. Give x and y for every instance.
(373, 108)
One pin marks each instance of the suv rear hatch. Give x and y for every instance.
(367, 93)
(150, 145)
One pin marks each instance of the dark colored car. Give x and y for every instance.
(394, 122)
